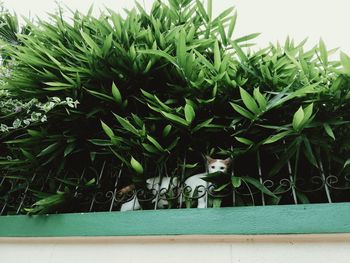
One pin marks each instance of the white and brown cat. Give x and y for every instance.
(195, 181)
(192, 183)
(156, 184)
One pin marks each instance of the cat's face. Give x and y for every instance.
(218, 165)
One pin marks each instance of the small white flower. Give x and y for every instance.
(71, 103)
(4, 128)
(56, 99)
(48, 106)
(17, 123)
(35, 116)
(26, 122)
(43, 118)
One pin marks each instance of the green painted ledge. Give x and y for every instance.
(287, 219)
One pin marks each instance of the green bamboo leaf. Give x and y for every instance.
(302, 197)
(18, 141)
(189, 113)
(323, 52)
(107, 130)
(69, 149)
(12, 162)
(222, 33)
(34, 133)
(307, 114)
(345, 61)
(347, 162)
(210, 9)
(136, 166)
(276, 137)
(156, 109)
(217, 56)
(223, 16)
(126, 125)
(247, 37)
(147, 94)
(155, 143)
(162, 104)
(166, 130)
(57, 88)
(28, 155)
(174, 118)
(137, 120)
(249, 101)
(150, 148)
(328, 130)
(309, 89)
(337, 84)
(181, 49)
(202, 11)
(298, 118)
(242, 111)
(217, 202)
(244, 140)
(236, 181)
(116, 94)
(58, 84)
(190, 34)
(49, 149)
(260, 99)
(239, 51)
(120, 157)
(189, 165)
(160, 53)
(53, 199)
(99, 95)
(100, 142)
(173, 144)
(222, 187)
(232, 25)
(258, 185)
(54, 60)
(107, 44)
(203, 124)
(292, 58)
(90, 182)
(90, 42)
(204, 60)
(284, 158)
(309, 153)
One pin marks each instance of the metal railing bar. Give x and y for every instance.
(292, 182)
(328, 194)
(182, 180)
(115, 187)
(260, 177)
(97, 182)
(25, 194)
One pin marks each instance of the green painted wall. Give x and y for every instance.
(288, 219)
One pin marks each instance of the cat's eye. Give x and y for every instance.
(222, 168)
(212, 167)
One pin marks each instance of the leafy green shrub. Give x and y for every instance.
(157, 90)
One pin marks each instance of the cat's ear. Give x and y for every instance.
(209, 159)
(227, 161)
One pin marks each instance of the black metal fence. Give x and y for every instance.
(110, 193)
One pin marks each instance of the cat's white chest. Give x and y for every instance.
(196, 180)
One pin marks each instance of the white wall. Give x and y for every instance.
(275, 19)
(243, 249)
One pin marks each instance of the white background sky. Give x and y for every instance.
(275, 19)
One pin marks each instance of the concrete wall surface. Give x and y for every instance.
(171, 249)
